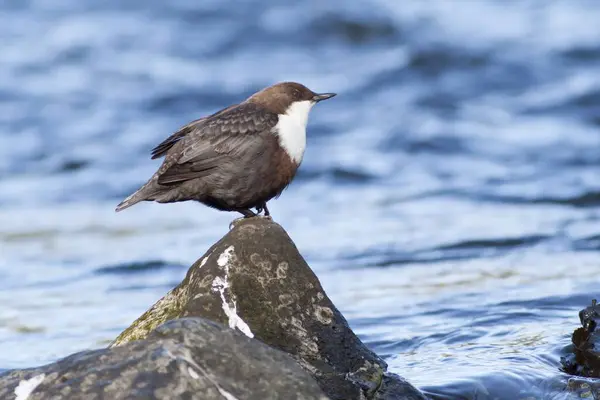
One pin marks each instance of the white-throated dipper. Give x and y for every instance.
(238, 158)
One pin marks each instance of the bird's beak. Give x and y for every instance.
(322, 96)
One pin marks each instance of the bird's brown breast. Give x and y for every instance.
(270, 173)
(284, 170)
(252, 178)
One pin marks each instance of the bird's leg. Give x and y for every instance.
(263, 207)
(247, 212)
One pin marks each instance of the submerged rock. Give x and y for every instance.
(255, 281)
(182, 359)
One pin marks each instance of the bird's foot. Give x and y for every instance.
(263, 207)
(247, 214)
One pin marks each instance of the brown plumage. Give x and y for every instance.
(238, 158)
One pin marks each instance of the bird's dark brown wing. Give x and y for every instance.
(162, 148)
(218, 139)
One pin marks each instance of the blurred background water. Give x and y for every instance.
(449, 199)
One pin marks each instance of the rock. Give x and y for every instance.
(395, 387)
(183, 359)
(255, 280)
(585, 360)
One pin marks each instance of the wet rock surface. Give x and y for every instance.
(254, 280)
(188, 358)
(585, 360)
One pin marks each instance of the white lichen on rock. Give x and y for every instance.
(220, 284)
(299, 331)
(27, 386)
(324, 315)
(193, 373)
(204, 260)
(226, 394)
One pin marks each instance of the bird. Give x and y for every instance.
(238, 158)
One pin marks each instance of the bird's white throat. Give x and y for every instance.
(291, 129)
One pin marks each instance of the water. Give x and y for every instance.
(449, 199)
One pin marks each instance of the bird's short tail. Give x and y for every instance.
(128, 202)
(146, 192)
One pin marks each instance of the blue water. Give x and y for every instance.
(449, 199)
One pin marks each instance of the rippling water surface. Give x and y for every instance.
(449, 199)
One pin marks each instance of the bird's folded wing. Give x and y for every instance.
(219, 139)
(164, 146)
